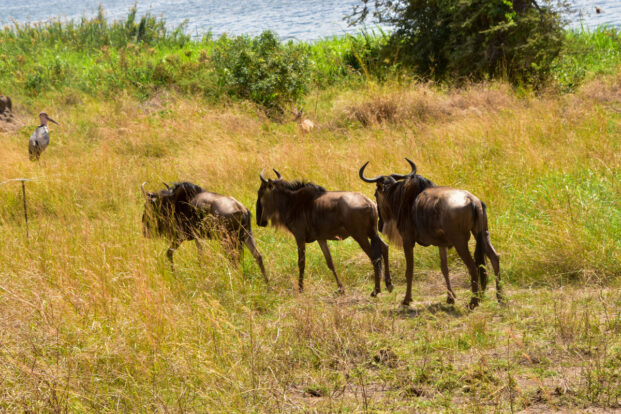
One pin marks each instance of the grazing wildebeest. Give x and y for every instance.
(311, 214)
(184, 211)
(414, 210)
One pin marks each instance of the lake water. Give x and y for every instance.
(291, 19)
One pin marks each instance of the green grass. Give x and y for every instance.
(586, 55)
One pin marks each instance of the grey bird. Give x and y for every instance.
(40, 139)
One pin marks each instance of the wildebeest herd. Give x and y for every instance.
(410, 209)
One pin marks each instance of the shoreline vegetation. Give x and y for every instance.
(141, 56)
(93, 320)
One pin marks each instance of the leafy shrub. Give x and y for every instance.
(473, 39)
(262, 69)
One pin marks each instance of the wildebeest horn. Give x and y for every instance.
(368, 180)
(263, 180)
(277, 174)
(411, 165)
(401, 176)
(143, 190)
(166, 185)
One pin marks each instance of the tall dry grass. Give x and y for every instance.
(92, 319)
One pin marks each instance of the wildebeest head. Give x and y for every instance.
(395, 193)
(166, 211)
(156, 211)
(384, 185)
(266, 205)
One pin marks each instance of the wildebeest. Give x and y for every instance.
(311, 214)
(414, 210)
(184, 211)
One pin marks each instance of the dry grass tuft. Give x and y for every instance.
(605, 91)
(422, 103)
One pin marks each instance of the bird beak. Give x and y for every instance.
(51, 120)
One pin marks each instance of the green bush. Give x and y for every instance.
(262, 69)
(473, 39)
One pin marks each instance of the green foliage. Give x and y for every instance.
(587, 54)
(368, 54)
(474, 39)
(141, 56)
(262, 69)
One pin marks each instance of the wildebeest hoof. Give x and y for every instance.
(389, 287)
(501, 299)
(450, 300)
(406, 302)
(340, 291)
(374, 293)
(474, 302)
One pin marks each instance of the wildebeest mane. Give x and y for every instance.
(298, 185)
(403, 194)
(183, 191)
(303, 193)
(177, 213)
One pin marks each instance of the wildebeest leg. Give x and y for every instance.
(495, 259)
(450, 297)
(464, 253)
(301, 263)
(387, 277)
(375, 254)
(408, 250)
(326, 253)
(169, 253)
(249, 241)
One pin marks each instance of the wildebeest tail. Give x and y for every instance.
(489, 249)
(483, 244)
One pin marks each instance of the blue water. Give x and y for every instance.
(291, 19)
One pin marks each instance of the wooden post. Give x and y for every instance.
(25, 206)
(23, 180)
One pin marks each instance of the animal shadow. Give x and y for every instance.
(432, 308)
